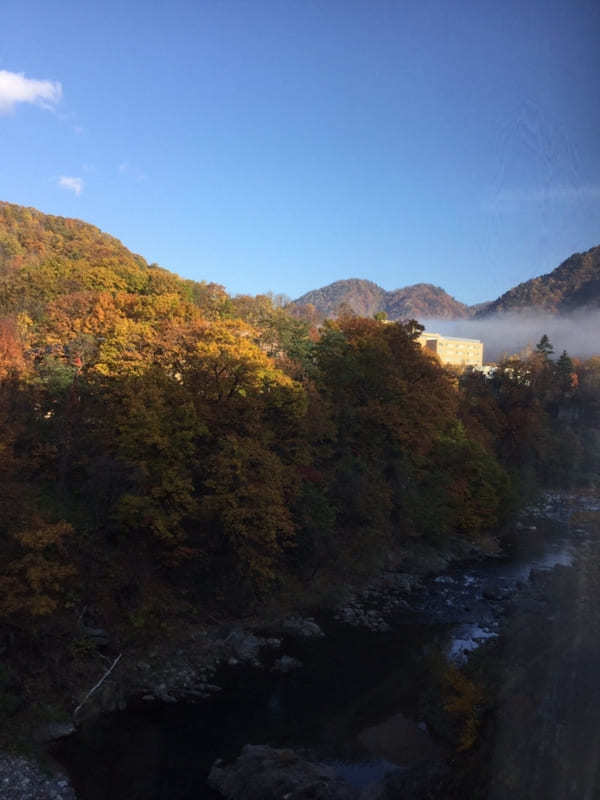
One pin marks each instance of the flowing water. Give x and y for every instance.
(356, 704)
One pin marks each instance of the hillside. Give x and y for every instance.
(573, 285)
(45, 260)
(365, 298)
(44, 256)
(424, 301)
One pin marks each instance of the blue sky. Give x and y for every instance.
(284, 144)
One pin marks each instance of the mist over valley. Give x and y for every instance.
(511, 333)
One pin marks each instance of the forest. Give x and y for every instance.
(170, 453)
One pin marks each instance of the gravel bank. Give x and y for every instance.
(22, 779)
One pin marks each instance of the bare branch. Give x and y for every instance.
(97, 686)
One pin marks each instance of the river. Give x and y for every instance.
(363, 701)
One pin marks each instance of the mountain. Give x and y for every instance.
(573, 285)
(365, 298)
(424, 301)
(478, 309)
(45, 257)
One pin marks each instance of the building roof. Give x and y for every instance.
(451, 338)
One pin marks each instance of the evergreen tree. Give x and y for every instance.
(544, 347)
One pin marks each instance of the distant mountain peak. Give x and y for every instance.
(574, 284)
(420, 301)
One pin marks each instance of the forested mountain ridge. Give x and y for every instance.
(424, 301)
(574, 284)
(43, 257)
(77, 294)
(365, 298)
(28, 236)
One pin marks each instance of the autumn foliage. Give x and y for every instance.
(167, 449)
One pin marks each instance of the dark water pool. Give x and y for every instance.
(350, 682)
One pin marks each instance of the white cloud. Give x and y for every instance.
(16, 88)
(73, 184)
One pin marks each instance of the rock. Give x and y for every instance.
(493, 593)
(265, 773)
(52, 731)
(99, 635)
(357, 616)
(164, 695)
(287, 664)
(209, 688)
(400, 741)
(303, 627)
(244, 646)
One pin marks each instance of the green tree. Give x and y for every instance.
(565, 373)
(544, 348)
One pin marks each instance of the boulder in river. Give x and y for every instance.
(266, 773)
(53, 731)
(286, 664)
(302, 628)
(400, 741)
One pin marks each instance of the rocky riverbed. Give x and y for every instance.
(336, 689)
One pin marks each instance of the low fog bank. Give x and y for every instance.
(505, 334)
